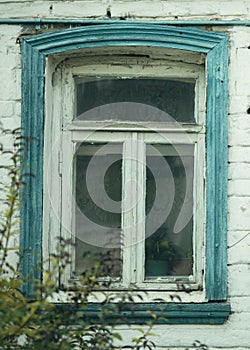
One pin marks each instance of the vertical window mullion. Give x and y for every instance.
(129, 210)
(199, 210)
(140, 208)
(126, 214)
(67, 218)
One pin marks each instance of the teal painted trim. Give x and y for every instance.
(125, 35)
(33, 64)
(44, 21)
(34, 51)
(217, 175)
(140, 313)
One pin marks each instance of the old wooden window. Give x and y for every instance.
(131, 166)
(54, 65)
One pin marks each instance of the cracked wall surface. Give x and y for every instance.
(235, 333)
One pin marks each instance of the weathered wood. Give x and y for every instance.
(34, 51)
(166, 313)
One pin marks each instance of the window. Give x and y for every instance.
(203, 152)
(132, 154)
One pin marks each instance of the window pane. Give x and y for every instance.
(140, 99)
(98, 186)
(169, 210)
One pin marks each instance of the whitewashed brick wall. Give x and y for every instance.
(234, 334)
(198, 9)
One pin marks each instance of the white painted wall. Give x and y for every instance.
(183, 9)
(234, 334)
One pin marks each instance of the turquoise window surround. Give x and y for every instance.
(214, 45)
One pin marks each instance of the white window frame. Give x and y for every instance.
(59, 122)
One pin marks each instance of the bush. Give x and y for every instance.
(35, 322)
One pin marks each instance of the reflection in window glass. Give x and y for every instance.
(98, 186)
(169, 249)
(174, 99)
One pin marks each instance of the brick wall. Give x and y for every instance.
(234, 334)
(198, 9)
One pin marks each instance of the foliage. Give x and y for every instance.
(36, 322)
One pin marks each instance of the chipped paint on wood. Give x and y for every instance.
(214, 45)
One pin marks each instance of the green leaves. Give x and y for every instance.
(37, 323)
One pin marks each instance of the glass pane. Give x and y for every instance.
(169, 210)
(135, 99)
(98, 186)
